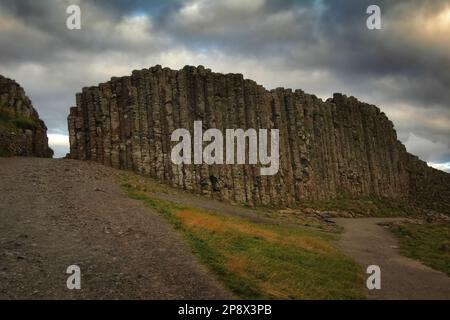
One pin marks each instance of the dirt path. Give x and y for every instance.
(401, 278)
(56, 213)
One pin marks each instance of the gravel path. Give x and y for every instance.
(56, 213)
(401, 277)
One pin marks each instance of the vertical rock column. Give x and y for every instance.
(340, 147)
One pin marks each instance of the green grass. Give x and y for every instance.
(8, 121)
(262, 261)
(364, 206)
(5, 120)
(429, 243)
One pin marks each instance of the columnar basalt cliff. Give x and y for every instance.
(328, 149)
(22, 133)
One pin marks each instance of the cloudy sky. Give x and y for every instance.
(316, 45)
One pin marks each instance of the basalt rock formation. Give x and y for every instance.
(328, 149)
(22, 133)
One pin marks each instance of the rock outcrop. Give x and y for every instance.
(328, 149)
(22, 133)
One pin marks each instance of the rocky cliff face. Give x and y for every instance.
(328, 149)
(22, 133)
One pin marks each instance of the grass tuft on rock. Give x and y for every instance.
(10, 122)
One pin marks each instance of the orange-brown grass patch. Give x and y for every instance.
(261, 260)
(221, 224)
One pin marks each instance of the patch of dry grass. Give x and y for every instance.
(260, 260)
(211, 223)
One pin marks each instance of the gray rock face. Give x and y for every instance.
(327, 149)
(22, 133)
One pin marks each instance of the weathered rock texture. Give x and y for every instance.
(22, 133)
(341, 147)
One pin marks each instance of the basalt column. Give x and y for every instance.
(22, 132)
(328, 149)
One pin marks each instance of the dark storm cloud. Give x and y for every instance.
(43, 28)
(320, 46)
(326, 34)
(387, 53)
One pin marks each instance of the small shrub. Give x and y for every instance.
(24, 124)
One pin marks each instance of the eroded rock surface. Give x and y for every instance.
(22, 133)
(327, 148)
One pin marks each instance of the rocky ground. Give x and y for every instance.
(57, 213)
